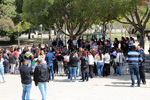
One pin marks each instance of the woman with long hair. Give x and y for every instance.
(100, 63)
(2, 66)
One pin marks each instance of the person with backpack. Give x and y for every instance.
(84, 66)
(12, 59)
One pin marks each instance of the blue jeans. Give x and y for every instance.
(43, 89)
(100, 66)
(134, 69)
(26, 90)
(2, 73)
(118, 70)
(85, 76)
(51, 72)
(72, 71)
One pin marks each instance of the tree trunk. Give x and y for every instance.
(49, 34)
(142, 39)
(12, 39)
(29, 36)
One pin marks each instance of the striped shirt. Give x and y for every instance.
(133, 57)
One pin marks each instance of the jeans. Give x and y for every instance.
(26, 90)
(43, 89)
(2, 73)
(134, 69)
(85, 76)
(51, 72)
(118, 70)
(100, 66)
(72, 71)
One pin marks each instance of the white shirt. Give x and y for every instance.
(97, 57)
(107, 58)
(66, 58)
(74, 42)
(91, 60)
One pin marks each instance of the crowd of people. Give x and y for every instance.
(88, 59)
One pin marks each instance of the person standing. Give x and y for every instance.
(28, 56)
(100, 63)
(2, 66)
(84, 66)
(133, 59)
(73, 66)
(26, 80)
(60, 60)
(141, 67)
(49, 60)
(119, 60)
(91, 64)
(6, 62)
(12, 59)
(41, 77)
(106, 69)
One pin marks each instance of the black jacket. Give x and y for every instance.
(73, 61)
(41, 73)
(25, 73)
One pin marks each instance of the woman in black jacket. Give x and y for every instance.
(73, 66)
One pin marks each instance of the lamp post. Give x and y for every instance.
(41, 33)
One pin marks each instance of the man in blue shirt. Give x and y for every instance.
(133, 59)
(49, 59)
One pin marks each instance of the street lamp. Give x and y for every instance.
(41, 33)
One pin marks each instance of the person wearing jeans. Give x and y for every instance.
(134, 70)
(134, 64)
(118, 70)
(52, 72)
(41, 77)
(43, 89)
(2, 71)
(26, 80)
(73, 66)
(26, 90)
(119, 59)
(100, 66)
(49, 60)
(100, 63)
(2, 66)
(72, 71)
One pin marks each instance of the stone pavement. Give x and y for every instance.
(110, 88)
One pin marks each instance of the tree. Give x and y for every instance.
(9, 20)
(76, 15)
(136, 13)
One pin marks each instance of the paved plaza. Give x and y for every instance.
(110, 88)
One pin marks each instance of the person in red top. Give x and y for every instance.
(15, 52)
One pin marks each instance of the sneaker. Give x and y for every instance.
(138, 85)
(132, 86)
(76, 81)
